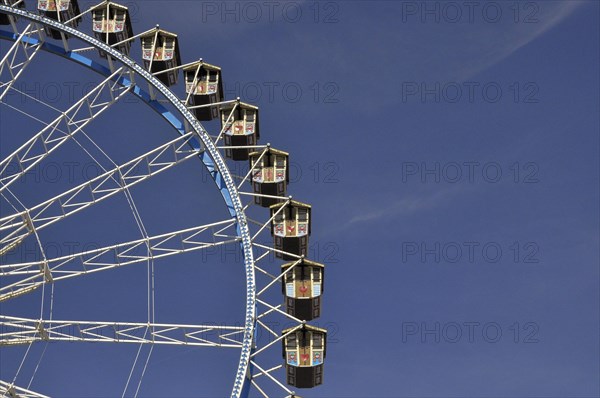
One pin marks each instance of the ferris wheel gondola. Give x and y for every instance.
(66, 11)
(200, 98)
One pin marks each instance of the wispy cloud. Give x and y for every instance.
(400, 207)
(500, 45)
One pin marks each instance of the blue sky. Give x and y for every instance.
(452, 164)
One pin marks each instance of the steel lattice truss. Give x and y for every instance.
(16, 227)
(62, 129)
(26, 331)
(121, 78)
(83, 263)
(17, 58)
(11, 391)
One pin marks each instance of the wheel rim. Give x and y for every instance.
(212, 160)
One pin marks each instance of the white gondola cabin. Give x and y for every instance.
(60, 10)
(160, 51)
(270, 175)
(239, 123)
(290, 228)
(4, 18)
(111, 24)
(303, 285)
(304, 351)
(204, 86)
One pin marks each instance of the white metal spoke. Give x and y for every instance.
(35, 274)
(262, 155)
(260, 195)
(17, 227)
(268, 223)
(227, 336)
(277, 340)
(273, 369)
(273, 379)
(262, 271)
(16, 60)
(12, 391)
(261, 257)
(268, 329)
(260, 390)
(271, 249)
(25, 331)
(229, 120)
(257, 147)
(72, 121)
(278, 278)
(195, 83)
(15, 331)
(67, 22)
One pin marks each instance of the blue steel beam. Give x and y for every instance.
(210, 157)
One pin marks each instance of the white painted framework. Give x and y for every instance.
(21, 225)
(26, 331)
(9, 390)
(18, 226)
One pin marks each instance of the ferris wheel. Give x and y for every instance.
(253, 214)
